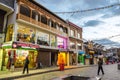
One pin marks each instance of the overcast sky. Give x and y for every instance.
(96, 24)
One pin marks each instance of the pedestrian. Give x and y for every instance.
(100, 63)
(9, 63)
(26, 65)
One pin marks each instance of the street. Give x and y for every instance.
(111, 73)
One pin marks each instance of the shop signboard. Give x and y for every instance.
(62, 43)
(24, 45)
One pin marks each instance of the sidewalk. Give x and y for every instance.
(14, 75)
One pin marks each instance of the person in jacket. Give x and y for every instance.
(100, 63)
(26, 65)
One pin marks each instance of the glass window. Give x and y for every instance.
(57, 26)
(49, 22)
(35, 15)
(26, 34)
(65, 30)
(53, 40)
(72, 32)
(78, 35)
(61, 28)
(25, 10)
(72, 45)
(43, 19)
(43, 39)
(61, 42)
(79, 46)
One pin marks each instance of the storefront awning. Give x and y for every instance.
(81, 52)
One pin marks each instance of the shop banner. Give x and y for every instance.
(24, 45)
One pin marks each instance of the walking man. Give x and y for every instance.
(100, 63)
(26, 65)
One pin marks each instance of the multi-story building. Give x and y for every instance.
(6, 9)
(36, 32)
(75, 44)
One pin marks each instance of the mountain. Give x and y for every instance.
(107, 43)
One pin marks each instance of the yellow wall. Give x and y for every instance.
(1, 56)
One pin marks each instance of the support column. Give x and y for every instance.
(15, 32)
(68, 59)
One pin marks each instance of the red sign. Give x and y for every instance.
(24, 45)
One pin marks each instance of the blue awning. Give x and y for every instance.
(81, 52)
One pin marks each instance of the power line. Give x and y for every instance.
(78, 11)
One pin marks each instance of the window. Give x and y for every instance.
(61, 42)
(39, 17)
(53, 40)
(35, 15)
(79, 46)
(65, 30)
(72, 45)
(50, 22)
(61, 28)
(78, 35)
(72, 32)
(25, 10)
(43, 39)
(26, 34)
(57, 26)
(43, 19)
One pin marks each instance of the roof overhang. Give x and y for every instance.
(6, 8)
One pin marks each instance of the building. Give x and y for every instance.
(6, 10)
(36, 32)
(75, 44)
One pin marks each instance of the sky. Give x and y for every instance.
(97, 24)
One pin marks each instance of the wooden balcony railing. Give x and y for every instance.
(20, 16)
(42, 25)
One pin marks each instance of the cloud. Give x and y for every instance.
(96, 24)
(107, 42)
(92, 23)
(117, 25)
(112, 12)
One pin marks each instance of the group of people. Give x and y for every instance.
(11, 64)
(26, 63)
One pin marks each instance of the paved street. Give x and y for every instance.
(111, 73)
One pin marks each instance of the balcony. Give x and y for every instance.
(41, 25)
(28, 19)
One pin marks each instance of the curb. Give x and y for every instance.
(32, 74)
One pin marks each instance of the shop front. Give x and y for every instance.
(91, 59)
(81, 57)
(18, 51)
(62, 45)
